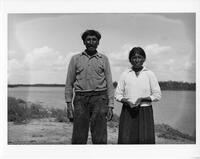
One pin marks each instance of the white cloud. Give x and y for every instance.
(159, 57)
(119, 60)
(44, 58)
(169, 62)
(121, 57)
(12, 54)
(155, 49)
(15, 69)
(189, 65)
(40, 64)
(14, 65)
(47, 65)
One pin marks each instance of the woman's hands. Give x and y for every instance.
(137, 103)
(142, 99)
(125, 101)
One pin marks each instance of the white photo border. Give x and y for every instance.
(91, 151)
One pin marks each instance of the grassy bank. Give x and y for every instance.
(22, 112)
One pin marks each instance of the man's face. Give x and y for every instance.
(91, 43)
(137, 60)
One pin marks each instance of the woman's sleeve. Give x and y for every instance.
(155, 88)
(119, 92)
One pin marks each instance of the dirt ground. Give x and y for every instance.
(48, 131)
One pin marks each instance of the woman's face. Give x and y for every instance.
(137, 60)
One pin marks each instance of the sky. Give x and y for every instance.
(40, 45)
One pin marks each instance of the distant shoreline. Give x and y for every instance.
(166, 85)
(63, 86)
(35, 85)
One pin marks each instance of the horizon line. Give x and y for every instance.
(64, 83)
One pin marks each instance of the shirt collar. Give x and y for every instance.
(97, 55)
(144, 69)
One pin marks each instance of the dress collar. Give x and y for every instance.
(144, 69)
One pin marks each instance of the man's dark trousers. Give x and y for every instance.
(90, 110)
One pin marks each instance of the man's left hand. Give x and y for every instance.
(110, 114)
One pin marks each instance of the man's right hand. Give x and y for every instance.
(70, 112)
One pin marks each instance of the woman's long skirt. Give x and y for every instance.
(136, 125)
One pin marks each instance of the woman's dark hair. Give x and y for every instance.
(91, 32)
(136, 50)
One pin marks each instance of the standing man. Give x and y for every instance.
(90, 77)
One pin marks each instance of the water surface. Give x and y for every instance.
(176, 108)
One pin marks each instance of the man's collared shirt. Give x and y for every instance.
(89, 73)
(134, 86)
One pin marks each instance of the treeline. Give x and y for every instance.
(172, 85)
(35, 85)
(165, 85)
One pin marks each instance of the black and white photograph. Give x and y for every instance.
(101, 78)
(40, 47)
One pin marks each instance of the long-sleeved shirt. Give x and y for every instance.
(133, 87)
(89, 73)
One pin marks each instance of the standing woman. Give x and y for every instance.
(137, 88)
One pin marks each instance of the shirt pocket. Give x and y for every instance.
(79, 72)
(98, 69)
